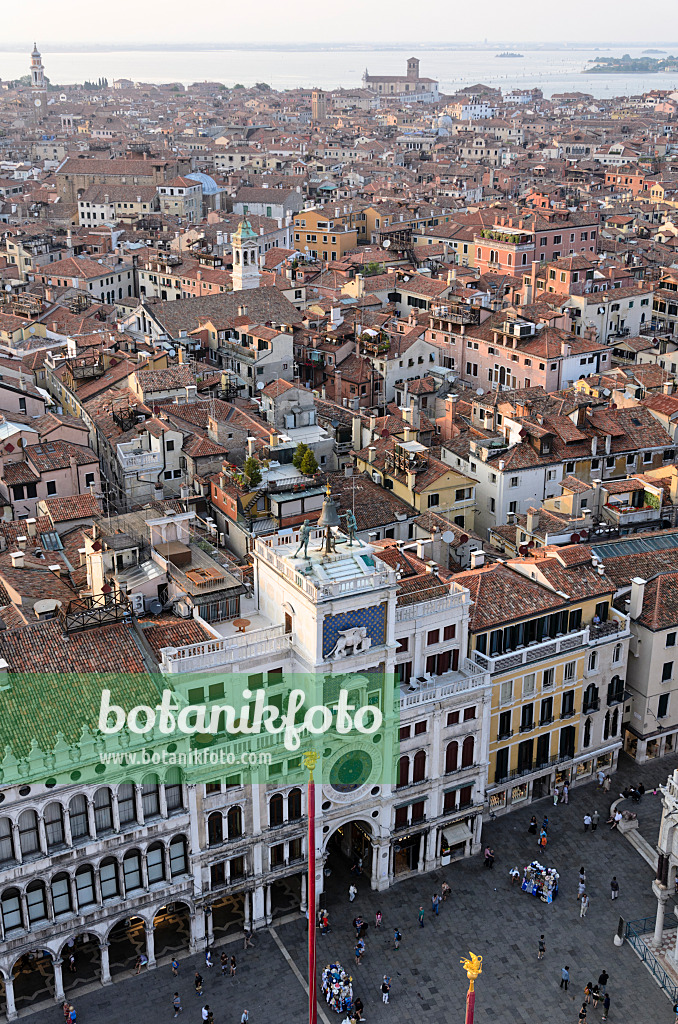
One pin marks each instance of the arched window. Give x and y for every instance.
(590, 698)
(155, 859)
(467, 752)
(29, 838)
(606, 727)
(587, 732)
(178, 859)
(615, 721)
(593, 661)
(61, 894)
(54, 825)
(617, 654)
(451, 756)
(84, 886)
(294, 804)
(108, 874)
(36, 902)
(509, 260)
(419, 768)
(215, 829)
(150, 796)
(275, 810)
(103, 810)
(77, 813)
(237, 257)
(234, 822)
(403, 771)
(10, 902)
(6, 843)
(127, 809)
(131, 871)
(174, 791)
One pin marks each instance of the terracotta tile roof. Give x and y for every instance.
(77, 506)
(201, 447)
(501, 594)
(277, 387)
(173, 632)
(178, 376)
(50, 670)
(660, 601)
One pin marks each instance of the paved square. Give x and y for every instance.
(484, 914)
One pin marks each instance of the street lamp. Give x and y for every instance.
(473, 968)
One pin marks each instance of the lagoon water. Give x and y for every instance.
(557, 70)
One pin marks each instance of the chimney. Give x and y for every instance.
(32, 527)
(17, 559)
(272, 440)
(251, 442)
(407, 434)
(477, 558)
(532, 519)
(637, 596)
(371, 452)
(594, 445)
(356, 433)
(22, 542)
(411, 479)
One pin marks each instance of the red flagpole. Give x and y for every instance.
(312, 997)
(470, 1005)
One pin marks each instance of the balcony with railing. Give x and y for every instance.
(232, 651)
(630, 515)
(532, 768)
(427, 690)
(135, 459)
(532, 652)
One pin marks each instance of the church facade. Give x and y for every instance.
(409, 88)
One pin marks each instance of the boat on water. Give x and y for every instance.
(508, 53)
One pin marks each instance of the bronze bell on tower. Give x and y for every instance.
(329, 517)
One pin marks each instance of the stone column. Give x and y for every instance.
(150, 944)
(138, 803)
(162, 800)
(9, 998)
(258, 908)
(197, 929)
(73, 889)
(168, 865)
(42, 832)
(105, 966)
(91, 821)
(209, 921)
(269, 914)
(57, 964)
(659, 923)
(68, 837)
(16, 842)
(115, 813)
(302, 903)
(421, 864)
(246, 907)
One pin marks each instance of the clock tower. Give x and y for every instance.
(38, 88)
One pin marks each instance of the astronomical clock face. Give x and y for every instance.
(38, 102)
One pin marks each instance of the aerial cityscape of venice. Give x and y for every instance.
(338, 515)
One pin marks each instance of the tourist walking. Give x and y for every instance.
(435, 903)
(208, 958)
(245, 1017)
(446, 890)
(556, 795)
(385, 989)
(565, 977)
(566, 794)
(532, 827)
(582, 874)
(541, 948)
(587, 822)
(197, 981)
(248, 939)
(205, 1012)
(176, 1003)
(233, 967)
(491, 861)
(175, 966)
(606, 1006)
(72, 1015)
(602, 982)
(587, 992)
(607, 784)
(601, 778)
(377, 919)
(396, 938)
(614, 886)
(595, 818)
(595, 995)
(352, 893)
(584, 905)
(224, 964)
(421, 917)
(487, 856)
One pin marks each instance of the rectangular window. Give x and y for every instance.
(667, 671)
(663, 707)
(433, 637)
(420, 728)
(51, 487)
(529, 684)
(470, 713)
(569, 671)
(449, 632)
(453, 718)
(670, 639)
(506, 692)
(549, 674)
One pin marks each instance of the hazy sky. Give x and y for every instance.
(372, 22)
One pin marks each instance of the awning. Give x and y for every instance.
(456, 834)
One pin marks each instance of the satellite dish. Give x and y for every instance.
(63, 97)
(386, 243)
(523, 549)
(584, 534)
(463, 539)
(8, 287)
(260, 385)
(480, 391)
(575, 538)
(406, 278)
(448, 537)
(384, 433)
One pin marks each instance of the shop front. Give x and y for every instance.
(455, 842)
